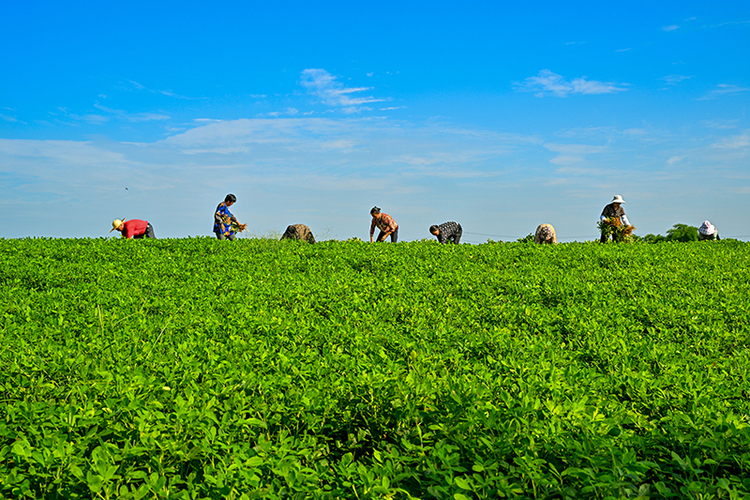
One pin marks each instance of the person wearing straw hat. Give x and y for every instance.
(134, 228)
(708, 231)
(614, 213)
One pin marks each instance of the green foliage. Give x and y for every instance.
(612, 228)
(529, 238)
(654, 238)
(199, 369)
(683, 233)
(678, 232)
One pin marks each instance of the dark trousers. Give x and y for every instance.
(456, 238)
(394, 236)
(222, 236)
(148, 234)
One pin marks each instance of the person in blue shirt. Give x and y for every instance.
(223, 219)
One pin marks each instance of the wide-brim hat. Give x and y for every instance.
(617, 199)
(116, 223)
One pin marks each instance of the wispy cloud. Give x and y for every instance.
(287, 112)
(8, 118)
(675, 79)
(740, 141)
(549, 83)
(671, 27)
(167, 93)
(623, 50)
(132, 117)
(675, 159)
(724, 89)
(722, 124)
(572, 154)
(329, 91)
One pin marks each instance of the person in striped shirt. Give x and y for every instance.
(447, 232)
(385, 223)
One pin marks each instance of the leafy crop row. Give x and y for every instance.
(264, 369)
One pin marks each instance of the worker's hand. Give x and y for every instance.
(370, 238)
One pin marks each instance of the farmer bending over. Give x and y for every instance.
(298, 232)
(385, 223)
(134, 228)
(447, 232)
(545, 233)
(708, 231)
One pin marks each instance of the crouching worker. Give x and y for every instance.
(298, 232)
(447, 232)
(545, 233)
(385, 223)
(226, 226)
(134, 228)
(708, 231)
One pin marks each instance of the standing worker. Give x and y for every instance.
(385, 223)
(447, 232)
(613, 214)
(134, 228)
(224, 220)
(708, 231)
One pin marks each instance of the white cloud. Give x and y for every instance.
(675, 159)
(671, 27)
(8, 118)
(572, 154)
(329, 91)
(722, 124)
(549, 83)
(167, 93)
(132, 117)
(740, 141)
(287, 111)
(724, 89)
(95, 119)
(675, 79)
(624, 50)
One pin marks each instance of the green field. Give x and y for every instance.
(195, 368)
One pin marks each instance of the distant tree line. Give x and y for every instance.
(679, 232)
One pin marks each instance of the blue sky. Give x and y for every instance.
(500, 116)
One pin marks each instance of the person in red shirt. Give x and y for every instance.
(385, 223)
(134, 228)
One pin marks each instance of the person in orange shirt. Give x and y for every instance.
(385, 223)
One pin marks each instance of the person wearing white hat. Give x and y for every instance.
(134, 228)
(614, 211)
(708, 231)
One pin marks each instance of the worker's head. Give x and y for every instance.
(230, 199)
(617, 201)
(434, 230)
(375, 212)
(118, 225)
